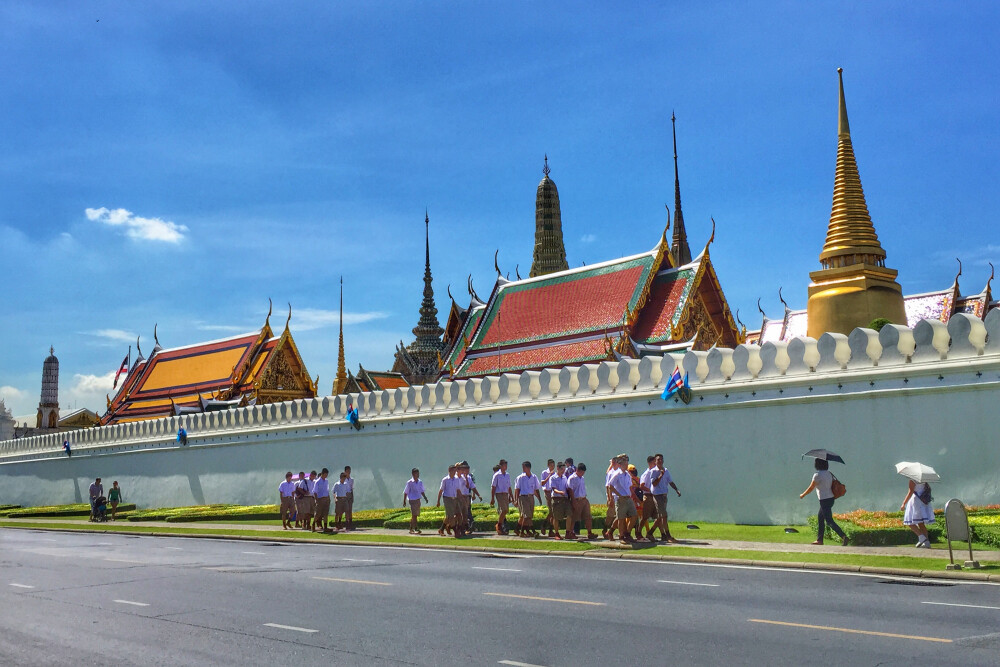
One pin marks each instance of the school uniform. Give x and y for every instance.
(340, 491)
(501, 486)
(322, 492)
(462, 497)
(304, 499)
(621, 482)
(449, 492)
(660, 486)
(580, 502)
(527, 484)
(612, 515)
(414, 490)
(561, 509)
(286, 492)
(648, 504)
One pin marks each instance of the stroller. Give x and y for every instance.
(101, 509)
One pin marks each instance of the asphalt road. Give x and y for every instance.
(121, 600)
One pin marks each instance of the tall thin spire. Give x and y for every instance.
(340, 383)
(550, 252)
(679, 249)
(850, 237)
(428, 330)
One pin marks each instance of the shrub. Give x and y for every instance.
(878, 323)
(987, 534)
(58, 511)
(865, 528)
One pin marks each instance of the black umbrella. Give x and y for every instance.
(823, 454)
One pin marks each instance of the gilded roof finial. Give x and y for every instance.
(680, 250)
(545, 169)
(496, 265)
(762, 313)
(340, 381)
(992, 273)
(289, 316)
(782, 299)
(742, 326)
(156, 338)
(668, 216)
(843, 127)
(270, 306)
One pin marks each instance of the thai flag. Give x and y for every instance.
(675, 384)
(124, 367)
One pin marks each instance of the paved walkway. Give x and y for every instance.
(939, 551)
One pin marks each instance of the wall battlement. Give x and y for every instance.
(929, 348)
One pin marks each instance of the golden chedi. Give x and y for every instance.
(854, 286)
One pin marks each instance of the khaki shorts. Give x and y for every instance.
(526, 507)
(287, 508)
(341, 506)
(450, 507)
(322, 508)
(503, 503)
(625, 508)
(415, 508)
(611, 516)
(648, 507)
(350, 501)
(660, 500)
(581, 509)
(561, 509)
(304, 507)
(466, 507)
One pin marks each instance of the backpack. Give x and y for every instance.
(925, 495)
(837, 487)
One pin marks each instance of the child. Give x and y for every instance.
(412, 493)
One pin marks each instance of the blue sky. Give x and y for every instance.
(179, 163)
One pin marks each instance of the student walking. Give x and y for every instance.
(561, 508)
(660, 483)
(412, 493)
(822, 482)
(917, 511)
(286, 501)
(114, 497)
(303, 501)
(501, 496)
(449, 491)
(620, 488)
(580, 503)
(527, 488)
(611, 518)
(340, 491)
(350, 498)
(321, 491)
(544, 480)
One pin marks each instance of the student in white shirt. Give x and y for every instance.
(286, 500)
(660, 483)
(544, 480)
(340, 491)
(412, 493)
(501, 496)
(621, 489)
(452, 513)
(561, 508)
(647, 508)
(322, 492)
(303, 502)
(526, 489)
(350, 498)
(581, 505)
(611, 518)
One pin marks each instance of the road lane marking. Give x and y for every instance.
(532, 597)
(359, 560)
(515, 663)
(105, 544)
(953, 604)
(21, 586)
(124, 560)
(254, 553)
(852, 631)
(686, 583)
(496, 569)
(134, 604)
(354, 581)
(288, 627)
(174, 548)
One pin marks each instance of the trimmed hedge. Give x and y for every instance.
(7, 509)
(59, 511)
(876, 529)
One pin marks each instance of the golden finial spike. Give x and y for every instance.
(289, 316)
(843, 127)
(992, 274)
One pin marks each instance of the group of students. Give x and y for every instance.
(633, 500)
(305, 503)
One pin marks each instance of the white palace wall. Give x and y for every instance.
(928, 394)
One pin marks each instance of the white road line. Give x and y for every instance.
(496, 569)
(953, 604)
(174, 548)
(48, 539)
(21, 586)
(686, 583)
(124, 560)
(288, 627)
(359, 560)
(105, 544)
(134, 604)
(863, 575)
(515, 663)
(254, 553)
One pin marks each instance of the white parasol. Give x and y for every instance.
(918, 472)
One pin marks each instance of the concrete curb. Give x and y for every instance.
(596, 553)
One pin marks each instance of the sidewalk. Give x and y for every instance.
(939, 551)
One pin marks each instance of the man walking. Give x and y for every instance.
(303, 501)
(340, 491)
(286, 501)
(621, 489)
(96, 491)
(544, 480)
(501, 496)
(412, 493)
(611, 517)
(350, 498)
(561, 509)
(580, 503)
(647, 509)
(321, 490)
(660, 484)
(526, 489)
(449, 491)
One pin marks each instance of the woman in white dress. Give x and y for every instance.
(917, 513)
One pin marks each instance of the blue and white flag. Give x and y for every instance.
(675, 384)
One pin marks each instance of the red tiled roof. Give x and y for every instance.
(566, 303)
(387, 380)
(565, 354)
(663, 308)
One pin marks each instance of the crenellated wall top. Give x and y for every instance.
(928, 348)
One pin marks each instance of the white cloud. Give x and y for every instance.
(88, 391)
(11, 394)
(588, 238)
(114, 335)
(139, 228)
(307, 319)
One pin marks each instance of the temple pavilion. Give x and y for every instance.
(252, 368)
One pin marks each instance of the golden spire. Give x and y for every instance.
(340, 383)
(851, 237)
